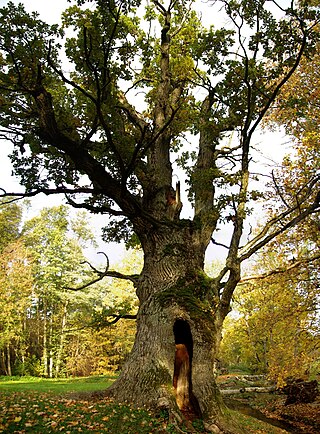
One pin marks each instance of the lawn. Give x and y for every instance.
(33, 405)
(55, 386)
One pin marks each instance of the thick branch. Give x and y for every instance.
(203, 175)
(159, 152)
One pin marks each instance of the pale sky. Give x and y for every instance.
(50, 11)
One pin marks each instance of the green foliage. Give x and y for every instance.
(275, 329)
(45, 328)
(38, 406)
(115, 53)
(24, 48)
(31, 366)
(10, 223)
(16, 283)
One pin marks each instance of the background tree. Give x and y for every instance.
(297, 250)
(46, 329)
(82, 134)
(57, 254)
(10, 224)
(16, 283)
(297, 110)
(100, 339)
(276, 331)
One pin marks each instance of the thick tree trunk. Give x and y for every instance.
(172, 362)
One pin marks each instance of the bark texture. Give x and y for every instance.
(172, 362)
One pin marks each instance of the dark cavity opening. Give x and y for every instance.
(182, 377)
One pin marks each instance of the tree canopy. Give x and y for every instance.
(276, 329)
(213, 84)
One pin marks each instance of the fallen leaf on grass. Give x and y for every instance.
(73, 423)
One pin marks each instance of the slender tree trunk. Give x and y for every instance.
(62, 339)
(9, 371)
(45, 340)
(50, 352)
(172, 362)
(3, 363)
(38, 326)
(22, 343)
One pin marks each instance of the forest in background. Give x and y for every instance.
(46, 328)
(50, 329)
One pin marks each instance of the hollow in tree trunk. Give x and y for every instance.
(171, 365)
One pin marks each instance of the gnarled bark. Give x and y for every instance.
(172, 361)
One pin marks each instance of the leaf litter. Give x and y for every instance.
(37, 413)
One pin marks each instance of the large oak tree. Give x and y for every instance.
(145, 87)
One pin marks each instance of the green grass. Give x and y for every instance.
(55, 386)
(35, 405)
(250, 425)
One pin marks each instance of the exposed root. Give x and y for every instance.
(212, 427)
(175, 417)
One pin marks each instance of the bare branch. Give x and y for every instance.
(95, 269)
(47, 191)
(278, 189)
(118, 317)
(293, 222)
(280, 270)
(219, 244)
(102, 274)
(107, 323)
(264, 237)
(86, 285)
(94, 209)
